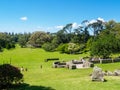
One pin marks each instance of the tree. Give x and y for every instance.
(38, 38)
(63, 48)
(85, 32)
(68, 28)
(108, 41)
(23, 39)
(85, 35)
(110, 24)
(95, 25)
(6, 41)
(68, 31)
(48, 46)
(77, 37)
(69, 48)
(62, 37)
(105, 45)
(9, 75)
(1, 49)
(73, 48)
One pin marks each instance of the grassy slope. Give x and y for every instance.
(59, 79)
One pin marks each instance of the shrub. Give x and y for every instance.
(9, 46)
(1, 49)
(9, 75)
(48, 47)
(63, 48)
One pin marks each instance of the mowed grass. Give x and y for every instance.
(49, 78)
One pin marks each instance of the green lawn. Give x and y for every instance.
(49, 78)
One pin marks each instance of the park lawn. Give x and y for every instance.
(49, 78)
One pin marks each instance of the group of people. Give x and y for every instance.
(23, 69)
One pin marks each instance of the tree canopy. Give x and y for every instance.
(103, 42)
(9, 75)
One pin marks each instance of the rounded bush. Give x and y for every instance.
(9, 75)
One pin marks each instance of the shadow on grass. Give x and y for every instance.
(28, 87)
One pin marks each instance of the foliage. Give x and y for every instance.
(73, 48)
(1, 49)
(107, 42)
(37, 39)
(70, 48)
(9, 75)
(23, 39)
(97, 26)
(49, 46)
(70, 39)
(63, 48)
(6, 41)
(10, 45)
(105, 45)
(89, 43)
(62, 37)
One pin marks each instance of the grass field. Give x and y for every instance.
(49, 78)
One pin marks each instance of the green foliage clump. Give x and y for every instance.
(6, 41)
(37, 39)
(105, 45)
(9, 75)
(63, 48)
(70, 48)
(73, 48)
(48, 47)
(9, 46)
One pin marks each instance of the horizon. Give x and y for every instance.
(21, 16)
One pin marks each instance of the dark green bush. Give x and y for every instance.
(9, 75)
(48, 47)
(63, 48)
(10, 45)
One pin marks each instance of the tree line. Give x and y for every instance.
(103, 41)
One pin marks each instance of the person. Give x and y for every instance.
(22, 69)
(41, 66)
(26, 69)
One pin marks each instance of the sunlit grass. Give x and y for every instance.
(57, 78)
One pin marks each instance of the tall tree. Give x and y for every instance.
(108, 41)
(23, 39)
(68, 28)
(6, 41)
(38, 38)
(96, 26)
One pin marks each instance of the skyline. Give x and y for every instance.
(21, 16)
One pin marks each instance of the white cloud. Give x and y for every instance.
(50, 29)
(95, 20)
(92, 21)
(59, 27)
(101, 19)
(75, 25)
(24, 18)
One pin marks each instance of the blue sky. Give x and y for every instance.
(50, 15)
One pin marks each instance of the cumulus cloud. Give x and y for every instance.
(50, 29)
(101, 19)
(95, 20)
(92, 21)
(59, 27)
(24, 18)
(75, 25)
